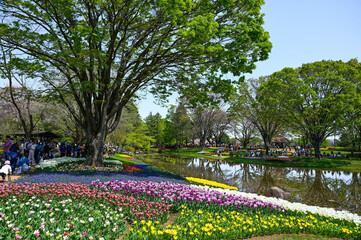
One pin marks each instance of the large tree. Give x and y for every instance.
(107, 50)
(155, 124)
(28, 104)
(317, 96)
(180, 120)
(202, 120)
(243, 130)
(221, 124)
(261, 108)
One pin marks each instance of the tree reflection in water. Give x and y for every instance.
(318, 191)
(322, 188)
(352, 194)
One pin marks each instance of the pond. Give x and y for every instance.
(336, 189)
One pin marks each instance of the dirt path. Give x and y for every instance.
(12, 178)
(292, 237)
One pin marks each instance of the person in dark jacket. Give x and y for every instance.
(69, 149)
(14, 153)
(62, 150)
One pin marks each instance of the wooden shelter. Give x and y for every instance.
(41, 135)
(280, 141)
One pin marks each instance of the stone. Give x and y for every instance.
(285, 189)
(275, 192)
(286, 195)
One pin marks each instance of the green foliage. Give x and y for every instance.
(325, 144)
(106, 51)
(131, 132)
(261, 107)
(169, 136)
(256, 141)
(156, 125)
(188, 36)
(318, 96)
(181, 124)
(225, 139)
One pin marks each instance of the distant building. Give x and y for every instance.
(280, 141)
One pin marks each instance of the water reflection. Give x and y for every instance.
(335, 189)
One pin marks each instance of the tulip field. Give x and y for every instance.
(67, 200)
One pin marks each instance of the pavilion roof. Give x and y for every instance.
(280, 139)
(40, 134)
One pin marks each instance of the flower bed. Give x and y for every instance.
(128, 168)
(72, 210)
(88, 177)
(74, 167)
(52, 163)
(209, 183)
(322, 211)
(86, 204)
(115, 167)
(200, 224)
(181, 194)
(122, 155)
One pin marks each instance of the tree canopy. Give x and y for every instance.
(317, 96)
(107, 50)
(260, 107)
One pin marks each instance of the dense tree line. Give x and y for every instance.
(314, 101)
(90, 58)
(101, 53)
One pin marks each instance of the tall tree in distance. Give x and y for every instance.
(202, 120)
(108, 50)
(156, 124)
(261, 108)
(131, 131)
(317, 96)
(29, 104)
(243, 130)
(179, 118)
(221, 124)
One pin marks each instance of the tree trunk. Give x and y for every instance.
(267, 142)
(202, 142)
(317, 146)
(245, 142)
(96, 148)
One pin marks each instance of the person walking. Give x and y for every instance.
(14, 155)
(6, 147)
(63, 149)
(21, 149)
(69, 149)
(32, 147)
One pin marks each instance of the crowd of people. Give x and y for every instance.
(20, 155)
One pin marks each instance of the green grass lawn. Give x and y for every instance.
(125, 158)
(336, 164)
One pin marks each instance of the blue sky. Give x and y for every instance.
(302, 31)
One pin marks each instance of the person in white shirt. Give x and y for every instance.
(32, 147)
(5, 170)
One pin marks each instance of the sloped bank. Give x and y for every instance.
(75, 210)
